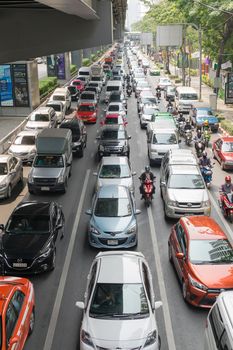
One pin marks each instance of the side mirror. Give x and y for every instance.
(180, 256)
(163, 184)
(158, 304)
(95, 173)
(129, 137)
(80, 305)
(137, 212)
(88, 212)
(134, 173)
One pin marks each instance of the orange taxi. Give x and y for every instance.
(17, 303)
(203, 259)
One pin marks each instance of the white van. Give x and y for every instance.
(85, 71)
(62, 95)
(112, 85)
(185, 98)
(219, 325)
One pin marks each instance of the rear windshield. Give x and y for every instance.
(39, 117)
(25, 140)
(87, 108)
(164, 139)
(49, 162)
(96, 78)
(87, 96)
(57, 108)
(83, 73)
(113, 88)
(188, 96)
(59, 98)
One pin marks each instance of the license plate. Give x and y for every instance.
(112, 242)
(19, 264)
(44, 188)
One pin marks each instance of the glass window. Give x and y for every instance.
(96, 78)
(87, 96)
(112, 88)
(30, 224)
(59, 98)
(113, 108)
(25, 140)
(186, 181)
(119, 300)
(147, 282)
(39, 117)
(86, 108)
(217, 251)
(113, 135)
(92, 281)
(188, 96)
(3, 169)
(111, 171)
(11, 320)
(149, 111)
(113, 207)
(17, 301)
(49, 161)
(217, 326)
(164, 139)
(227, 147)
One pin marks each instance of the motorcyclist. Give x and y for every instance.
(169, 103)
(188, 126)
(129, 89)
(181, 118)
(147, 174)
(199, 136)
(227, 187)
(204, 160)
(206, 127)
(158, 92)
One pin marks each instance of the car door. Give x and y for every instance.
(179, 245)
(91, 278)
(217, 149)
(163, 185)
(12, 171)
(18, 168)
(147, 280)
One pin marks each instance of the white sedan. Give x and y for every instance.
(119, 308)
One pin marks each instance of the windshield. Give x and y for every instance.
(87, 108)
(215, 251)
(142, 84)
(112, 171)
(94, 85)
(57, 108)
(39, 117)
(3, 169)
(113, 135)
(148, 100)
(113, 108)
(112, 121)
(83, 73)
(227, 147)
(150, 111)
(30, 224)
(204, 112)
(115, 97)
(77, 83)
(25, 140)
(164, 139)
(49, 162)
(112, 207)
(112, 88)
(91, 88)
(119, 300)
(171, 89)
(59, 98)
(87, 96)
(96, 78)
(186, 181)
(188, 96)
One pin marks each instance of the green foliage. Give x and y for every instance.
(47, 84)
(86, 62)
(206, 80)
(73, 68)
(177, 81)
(193, 72)
(93, 57)
(227, 125)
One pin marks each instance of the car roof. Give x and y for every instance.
(114, 160)
(28, 133)
(185, 170)
(115, 103)
(227, 138)
(202, 227)
(32, 208)
(164, 131)
(183, 159)
(7, 283)
(113, 115)
(42, 110)
(113, 191)
(126, 268)
(87, 92)
(54, 102)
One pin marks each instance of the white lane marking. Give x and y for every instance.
(166, 312)
(224, 222)
(61, 287)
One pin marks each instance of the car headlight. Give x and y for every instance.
(94, 230)
(3, 185)
(60, 179)
(101, 148)
(132, 229)
(86, 338)
(196, 284)
(172, 203)
(151, 338)
(45, 252)
(206, 203)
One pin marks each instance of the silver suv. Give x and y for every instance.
(11, 172)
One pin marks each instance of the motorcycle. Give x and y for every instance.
(181, 128)
(170, 109)
(158, 94)
(226, 204)
(206, 136)
(129, 91)
(199, 146)
(207, 175)
(147, 191)
(188, 137)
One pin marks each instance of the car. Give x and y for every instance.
(114, 171)
(116, 107)
(145, 98)
(84, 78)
(17, 305)
(222, 149)
(163, 83)
(88, 97)
(87, 112)
(146, 114)
(28, 240)
(184, 192)
(62, 94)
(142, 85)
(198, 115)
(113, 221)
(79, 134)
(96, 83)
(11, 173)
(169, 93)
(93, 89)
(79, 84)
(203, 259)
(74, 92)
(24, 145)
(145, 63)
(41, 118)
(118, 96)
(59, 108)
(113, 140)
(114, 119)
(119, 309)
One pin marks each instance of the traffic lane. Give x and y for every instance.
(83, 256)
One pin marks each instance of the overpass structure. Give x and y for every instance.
(32, 28)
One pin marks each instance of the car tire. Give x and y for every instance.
(31, 322)
(53, 261)
(9, 191)
(170, 253)
(184, 291)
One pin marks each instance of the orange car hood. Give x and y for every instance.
(214, 276)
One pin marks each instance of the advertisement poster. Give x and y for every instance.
(19, 73)
(56, 66)
(6, 96)
(51, 66)
(61, 66)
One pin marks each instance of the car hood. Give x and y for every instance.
(121, 333)
(87, 101)
(3, 179)
(22, 148)
(86, 114)
(228, 155)
(214, 276)
(37, 125)
(146, 117)
(188, 195)
(112, 224)
(121, 182)
(46, 172)
(113, 142)
(26, 246)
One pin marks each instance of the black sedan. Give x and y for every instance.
(28, 240)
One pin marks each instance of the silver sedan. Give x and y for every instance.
(11, 172)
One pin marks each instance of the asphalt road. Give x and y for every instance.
(57, 318)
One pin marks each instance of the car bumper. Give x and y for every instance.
(110, 242)
(115, 153)
(46, 188)
(84, 346)
(201, 298)
(33, 267)
(87, 120)
(177, 212)
(157, 157)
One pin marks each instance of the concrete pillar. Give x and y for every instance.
(86, 53)
(76, 58)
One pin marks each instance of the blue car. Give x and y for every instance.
(199, 114)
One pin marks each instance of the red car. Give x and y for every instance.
(17, 310)
(79, 84)
(114, 119)
(223, 151)
(203, 259)
(87, 112)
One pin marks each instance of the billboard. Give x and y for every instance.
(6, 95)
(20, 86)
(56, 66)
(169, 35)
(146, 39)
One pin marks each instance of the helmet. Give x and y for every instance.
(181, 114)
(147, 168)
(198, 133)
(206, 123)
(228, 179)
(204, 154)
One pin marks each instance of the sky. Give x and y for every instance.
(136, 10)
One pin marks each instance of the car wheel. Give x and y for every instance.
(53, 260)
(31, 322)
(9, 191)
(170, 253)
(184, 290)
